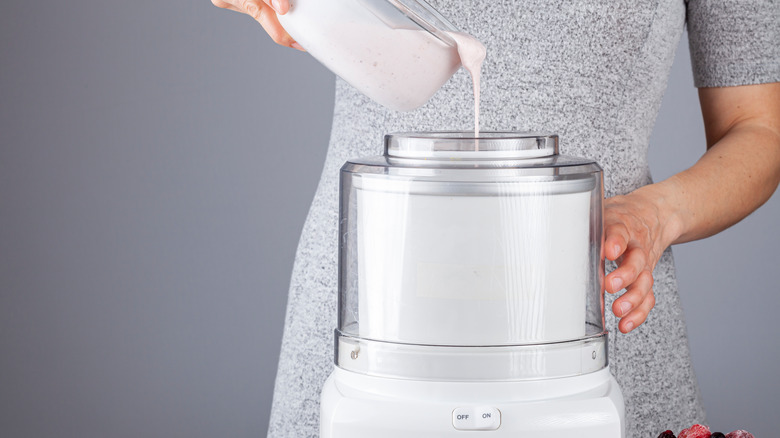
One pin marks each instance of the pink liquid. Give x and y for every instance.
(472, 54)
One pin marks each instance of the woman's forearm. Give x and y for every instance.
(739, 172)
(734, 177)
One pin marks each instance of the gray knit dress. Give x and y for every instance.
(594, 72)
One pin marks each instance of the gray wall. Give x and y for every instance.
(156, 164)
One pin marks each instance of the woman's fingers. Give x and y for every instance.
(264, 12)
(267, 18)
(635, 260)
(616, 238)
(633, 306)
(280, 6)
(225, 5)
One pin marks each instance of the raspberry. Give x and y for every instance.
(667, 434)
(740, 434)
(696, 431)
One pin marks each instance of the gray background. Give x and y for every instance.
(157, 160)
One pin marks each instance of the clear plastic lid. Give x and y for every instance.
(451, 243)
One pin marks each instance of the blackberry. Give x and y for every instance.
(667, 434)
(717, 435)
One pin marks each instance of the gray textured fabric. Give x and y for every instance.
(593, 72)
(734, 43)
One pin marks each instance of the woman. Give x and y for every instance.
(593, 72)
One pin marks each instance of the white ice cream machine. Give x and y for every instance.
(470, 293)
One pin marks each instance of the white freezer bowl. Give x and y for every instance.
(360, 406)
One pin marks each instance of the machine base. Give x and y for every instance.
(359, 406)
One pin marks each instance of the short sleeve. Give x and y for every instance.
(734, 42)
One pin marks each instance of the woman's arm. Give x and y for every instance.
(738, 173)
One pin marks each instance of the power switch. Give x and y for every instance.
(476, 418)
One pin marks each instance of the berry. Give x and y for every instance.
(667, 434)
(740, 434)
(697, 431)
(717, 435)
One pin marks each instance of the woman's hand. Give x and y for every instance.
(264, 12)
(738, 173)
(637, 230)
